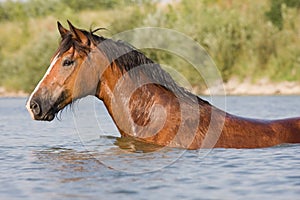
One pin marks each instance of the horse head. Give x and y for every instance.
(71, 74)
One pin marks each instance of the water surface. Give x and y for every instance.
(77, 157)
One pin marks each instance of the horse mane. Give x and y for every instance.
(127, 58)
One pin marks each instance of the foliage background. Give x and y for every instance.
(250, 39)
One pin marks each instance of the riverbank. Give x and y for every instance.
(237, 35)
(261, 87)
(232, 87)
(8, 93)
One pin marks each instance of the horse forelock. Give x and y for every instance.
(68, 41)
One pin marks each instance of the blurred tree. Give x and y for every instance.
(11, 10)
(275, 13)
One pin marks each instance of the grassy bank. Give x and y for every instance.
(242, 37)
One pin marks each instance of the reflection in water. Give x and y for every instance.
(127, 154)
(124, 155)
(72, 165)
(133, 145)
(69, 158)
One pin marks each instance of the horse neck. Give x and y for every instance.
(130, 104)
(144, 109)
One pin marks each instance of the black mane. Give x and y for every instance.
(128, 58)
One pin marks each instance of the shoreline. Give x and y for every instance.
(262, 87)
(7, 93)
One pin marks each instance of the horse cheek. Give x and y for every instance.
(85, 82)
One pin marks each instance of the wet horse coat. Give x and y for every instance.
(143, 100)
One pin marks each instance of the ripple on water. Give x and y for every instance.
(48, 161)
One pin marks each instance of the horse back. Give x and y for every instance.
(289, 129)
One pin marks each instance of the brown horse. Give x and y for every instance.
(143, 100)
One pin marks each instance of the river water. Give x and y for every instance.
(79, 157)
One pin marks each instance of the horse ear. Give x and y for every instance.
(63, 32)
(79, 35)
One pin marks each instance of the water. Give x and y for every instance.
(78, 157)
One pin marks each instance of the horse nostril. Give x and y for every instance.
(35, 108)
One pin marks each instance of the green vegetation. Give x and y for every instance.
(275, 13)
(246, 39)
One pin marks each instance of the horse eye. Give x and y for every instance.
(67, 62)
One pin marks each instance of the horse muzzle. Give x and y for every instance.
(41, 110)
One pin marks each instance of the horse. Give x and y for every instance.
(143, 100)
